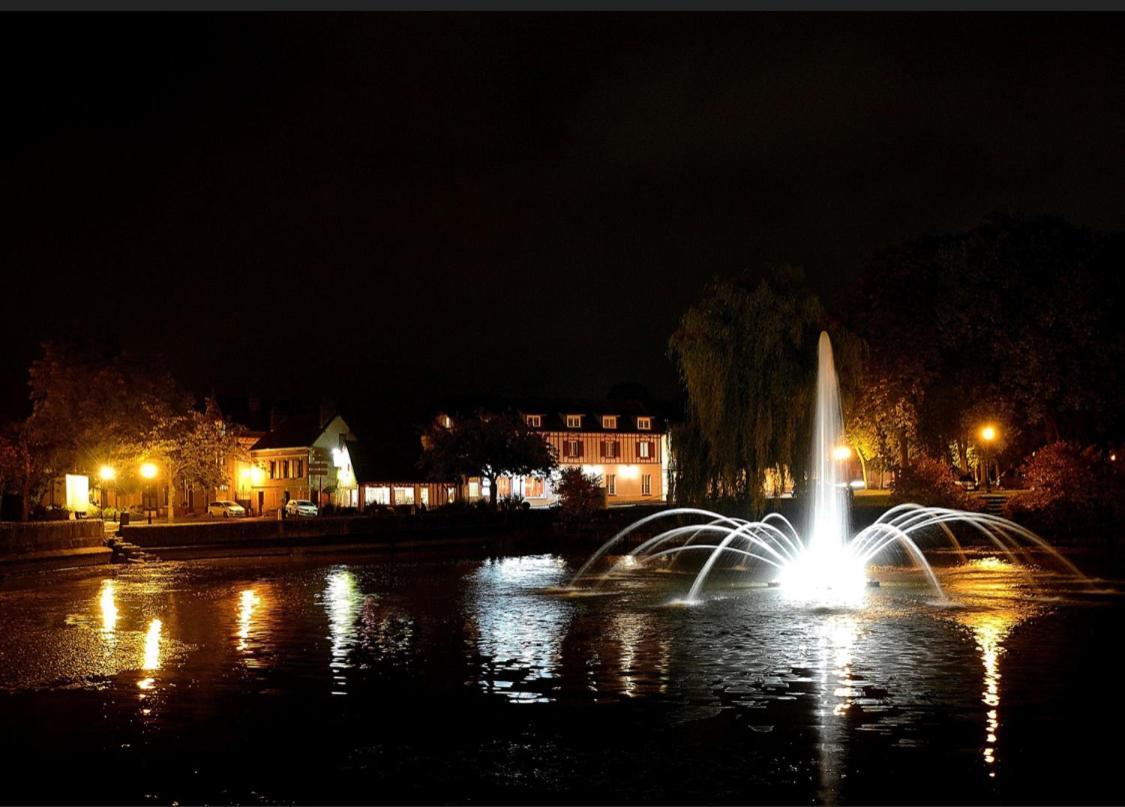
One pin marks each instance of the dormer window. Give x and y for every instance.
(644, 424)
(609, 421)
(535, 421)
(574, 421)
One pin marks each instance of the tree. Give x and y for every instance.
(580, 494)
(1014, 319)
(746, 354)
(485, 444)
(88, 407)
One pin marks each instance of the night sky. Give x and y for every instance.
(395, 206)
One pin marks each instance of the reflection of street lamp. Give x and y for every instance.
(987, 435)
(148, 471)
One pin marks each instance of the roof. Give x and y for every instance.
(392, 457)
(553, 412)
(296, 431)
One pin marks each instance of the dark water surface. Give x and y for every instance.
(451, 677)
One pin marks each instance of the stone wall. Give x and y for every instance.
(23, 537)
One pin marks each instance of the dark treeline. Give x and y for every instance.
(1014, 323)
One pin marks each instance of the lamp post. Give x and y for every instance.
(148, 471)
(987, 435)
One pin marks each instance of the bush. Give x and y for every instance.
(1072, 491)
(513, 503)
(580, 495)
(931, 483)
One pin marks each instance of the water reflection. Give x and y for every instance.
(643, 653)
(108, 606)
(990, 629)
(151, 659)
(342, 601)
(836, 636)
(519, 631)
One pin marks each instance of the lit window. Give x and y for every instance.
(377, 495)
(404, 495)
(535, 421)
(446, 422)
(574, 421)
(609, 421)
(611, 449)
(611, 484)
(644, 449)
(644, 424)
(646, 485)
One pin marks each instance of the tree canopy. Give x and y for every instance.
(485, 444)
(746, 353)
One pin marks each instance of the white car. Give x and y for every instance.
(300, 507)
(226, 509)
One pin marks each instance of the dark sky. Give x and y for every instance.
(396, 206)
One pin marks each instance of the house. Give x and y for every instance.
(623, 443)
(387, 474)
(304, 456)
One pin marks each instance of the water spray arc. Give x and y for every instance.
(823, 563)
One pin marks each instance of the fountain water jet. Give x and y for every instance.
(825, 564)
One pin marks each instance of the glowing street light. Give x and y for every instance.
(107, 473)
(841, 453)
(148, 470)
(987, 435)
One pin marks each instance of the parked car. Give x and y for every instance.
(225, 509)
(300, 507)
(968, 482)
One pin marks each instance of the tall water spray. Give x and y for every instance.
(829, 518)
(825, 563)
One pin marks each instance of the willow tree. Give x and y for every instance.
(746, 353)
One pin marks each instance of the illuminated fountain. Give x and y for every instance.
(823, 564)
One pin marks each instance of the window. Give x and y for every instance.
(611, 449)
(609, 421)
(572, 448)
(535, 421)
(574, 421)
(644, 424)
(377, 495)
(611, 484)
(404, 495)
(446, 422)
(424, 494)
(474, 490)
(299, 468)
(273, 469)
(646, 485)
(644, 449)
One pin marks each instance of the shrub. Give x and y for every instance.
(513, 503)
(931, 483)
(580, 495)
(1071, 491)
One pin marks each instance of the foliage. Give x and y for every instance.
(930, 482)
(485, 444)
(746, 353)
(514, 503)
(580, 495)
(1071, 490)
(1013, 322)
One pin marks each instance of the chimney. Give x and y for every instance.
(327, 411)
(276, 416)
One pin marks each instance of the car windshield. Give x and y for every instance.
(304, 503)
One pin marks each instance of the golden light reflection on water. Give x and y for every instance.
(151, 659)
(108, 607)
(643, 653)
(838, 636)
(993, 588)
(248, 602)
(990, 629)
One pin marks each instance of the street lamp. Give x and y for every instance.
(987, 435)
(841, 453)
(107, 473)
(148, 471)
